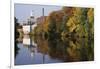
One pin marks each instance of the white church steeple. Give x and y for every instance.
(32, 13)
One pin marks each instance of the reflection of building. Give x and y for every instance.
(27, 42)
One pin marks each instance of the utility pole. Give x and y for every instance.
(43, 34)
(43, 11)
(43, 21)
(31, 21)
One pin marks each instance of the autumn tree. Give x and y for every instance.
(78, 22)
(71, 21)
(90, 16)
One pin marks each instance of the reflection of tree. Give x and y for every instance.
(16, 35)
(87, 50)
(42, 45)
(57, 49)
(80, 50)
(73, 53)
(67, 50)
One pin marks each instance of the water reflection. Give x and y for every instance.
(16, 49)
(38, 50)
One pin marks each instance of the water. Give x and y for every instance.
(37, 50)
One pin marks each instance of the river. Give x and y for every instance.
(37, 50)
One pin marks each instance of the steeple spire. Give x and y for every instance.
(32, 13)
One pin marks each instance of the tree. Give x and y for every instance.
(90, 16)
(77, 23)
(52, 26)
(16, 25)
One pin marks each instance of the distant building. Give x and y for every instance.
(29, 25)
(41, 19)
(26, 29)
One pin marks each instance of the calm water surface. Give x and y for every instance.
(37, 50)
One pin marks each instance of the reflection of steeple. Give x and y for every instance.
(32, 50)
(32, 54)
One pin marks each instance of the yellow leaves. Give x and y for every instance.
(91, 20)
(72, 22)
(67, 21)
(45, 25)
(91, 15)
(77, 11)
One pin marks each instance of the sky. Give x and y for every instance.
(23, 11)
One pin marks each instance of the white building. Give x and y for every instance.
(26, 28)
(31, 19)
